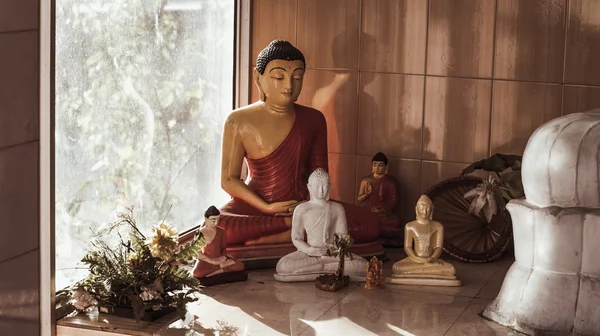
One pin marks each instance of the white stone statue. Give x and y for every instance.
(320, 218)
(553, 287)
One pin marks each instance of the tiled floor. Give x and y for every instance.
(262, 306)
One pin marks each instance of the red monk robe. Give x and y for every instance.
(215, 249)
(384, 195)
(282, 176)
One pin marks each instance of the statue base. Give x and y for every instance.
(331, 283)
(311, 277)
(424, 280)
(223, 278)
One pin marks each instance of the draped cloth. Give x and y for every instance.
(384, 194)
(283, 176)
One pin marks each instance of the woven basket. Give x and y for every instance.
(468, 237)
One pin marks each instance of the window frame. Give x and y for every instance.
(49, 313)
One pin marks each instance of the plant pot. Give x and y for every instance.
(127, 312)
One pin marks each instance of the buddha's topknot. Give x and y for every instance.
(278, 50)
(212, 211)
(319, 174)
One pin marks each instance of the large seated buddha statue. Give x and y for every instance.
(423, 243)
(282, 143)
(318, 220)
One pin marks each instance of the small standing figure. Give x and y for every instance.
(213, 266)
(374, 274)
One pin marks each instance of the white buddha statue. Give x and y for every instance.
(320, 219)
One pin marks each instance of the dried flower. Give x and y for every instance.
(149, 294)
(164, 243)
(133, 260)
(82, 299)
(157, 286)
(485, 197)
(152, 291)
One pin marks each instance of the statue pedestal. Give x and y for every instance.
(223, 278)
(554, 284)
(425, 280)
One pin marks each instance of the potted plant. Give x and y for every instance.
(141, 277)
(498, 189)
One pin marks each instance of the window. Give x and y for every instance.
(142, 90)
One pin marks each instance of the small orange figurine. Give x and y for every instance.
(374, 274)
(213, 266)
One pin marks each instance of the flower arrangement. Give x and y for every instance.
(141, 273)
(497, 190)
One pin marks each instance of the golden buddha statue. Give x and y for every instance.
(423, 243)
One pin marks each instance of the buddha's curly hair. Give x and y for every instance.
(380, 157)
(278, 50)
(425, 199)
(319, 174)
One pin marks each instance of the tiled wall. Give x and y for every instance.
(19, 161)
(435, 84)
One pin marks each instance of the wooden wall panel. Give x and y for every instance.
(580, 98)
(393, 36)
(457, 119)
(518, 110)
(328, 33)
(342, 172)
(335, 94)
(495, 70)
(461, 38)
(271, 20)
(530, 38)
(390, 115)
(583, 43)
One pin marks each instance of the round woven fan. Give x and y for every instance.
(468, 237)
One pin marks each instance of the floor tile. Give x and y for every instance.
(390, 312)
(265, 307)
(470, 323)
(491, 289)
